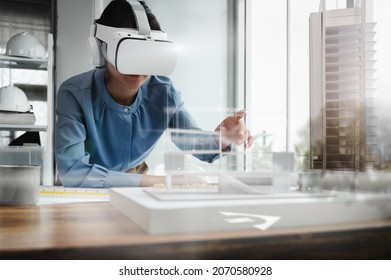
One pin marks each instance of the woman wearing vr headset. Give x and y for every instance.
(109, 122)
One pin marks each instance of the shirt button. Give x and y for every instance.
(126, 110)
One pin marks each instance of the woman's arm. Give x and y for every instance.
(73, 162)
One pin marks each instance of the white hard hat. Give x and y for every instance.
(25, 45)
(13, 99)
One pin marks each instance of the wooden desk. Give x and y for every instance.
(98, 231)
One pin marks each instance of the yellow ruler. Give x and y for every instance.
(83, 193)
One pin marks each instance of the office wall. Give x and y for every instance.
(73, 22)
(199, 27)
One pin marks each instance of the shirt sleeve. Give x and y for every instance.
(73, 166)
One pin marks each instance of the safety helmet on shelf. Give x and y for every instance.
(25, 45)
(13, 99)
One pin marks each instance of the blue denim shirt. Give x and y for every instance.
(97, 139)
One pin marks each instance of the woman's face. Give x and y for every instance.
(123, 88)
(132, 82)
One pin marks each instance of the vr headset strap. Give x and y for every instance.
(141, 18)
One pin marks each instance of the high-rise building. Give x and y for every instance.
(342, 65)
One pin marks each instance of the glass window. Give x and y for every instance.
(266, 70)
(278, 75)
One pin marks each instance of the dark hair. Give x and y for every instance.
(119, 13)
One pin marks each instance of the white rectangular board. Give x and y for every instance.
(162, 212)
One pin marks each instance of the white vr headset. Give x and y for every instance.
(140, 51)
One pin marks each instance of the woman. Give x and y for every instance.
(108, 122)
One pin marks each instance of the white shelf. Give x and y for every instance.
(16, 127)
(16, 62)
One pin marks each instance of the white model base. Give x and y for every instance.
(159, 211)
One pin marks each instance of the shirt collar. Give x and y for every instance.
(103, 93)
